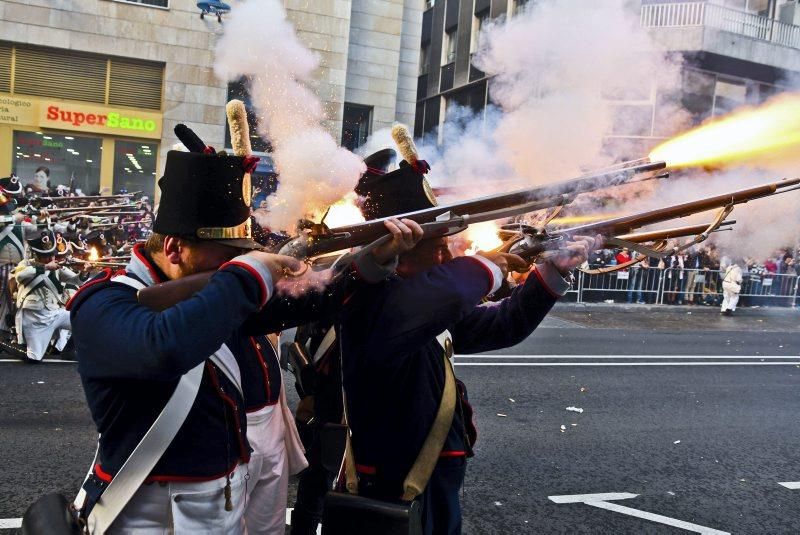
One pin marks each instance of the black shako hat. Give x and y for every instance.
(43, 244)
(207, 196)
(400, 191)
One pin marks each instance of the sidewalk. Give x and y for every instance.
(677, 317)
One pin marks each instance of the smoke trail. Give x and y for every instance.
(260, 44)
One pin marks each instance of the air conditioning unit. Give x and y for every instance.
(790, 13)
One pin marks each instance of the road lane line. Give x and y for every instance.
(792, 485)
(603, 501)
(45, 361)
(541, 364)
(580, 498)
(647, 357)
(661, 519)
(10, 523)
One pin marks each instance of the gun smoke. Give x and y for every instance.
(261, 45)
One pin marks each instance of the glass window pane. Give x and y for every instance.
(356, 125)
(69, 160)
(135, 167)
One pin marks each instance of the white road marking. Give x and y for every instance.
(648, 357)
(16, 523)
(792, 485)
(45, 361)
(602, 501)
(10, 523)
(792, 363)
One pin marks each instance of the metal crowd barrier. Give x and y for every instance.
(681, 286)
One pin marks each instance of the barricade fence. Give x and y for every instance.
(653, 285)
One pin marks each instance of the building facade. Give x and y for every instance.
(735, 52)
(92, 89)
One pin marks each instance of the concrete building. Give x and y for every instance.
(92, 89)
(735, 51)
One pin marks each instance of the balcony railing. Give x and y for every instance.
(684, 14)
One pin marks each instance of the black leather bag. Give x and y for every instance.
(350, 514)
(51, 514)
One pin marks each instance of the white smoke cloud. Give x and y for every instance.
(261, 44)
(556, 70)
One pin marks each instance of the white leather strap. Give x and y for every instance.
(129, 281)
(147, 453)
(224, 360)
(325, 345)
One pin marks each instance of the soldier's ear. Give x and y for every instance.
(172, 249)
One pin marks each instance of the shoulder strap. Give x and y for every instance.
(420, 473)
(325, 344)
(31, 286)
(147, 453)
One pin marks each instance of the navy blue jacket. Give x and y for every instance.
(393, 366)
(131, 358)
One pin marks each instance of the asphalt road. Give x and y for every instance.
(693, 417)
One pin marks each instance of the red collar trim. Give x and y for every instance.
(137, 251)
(375, 171)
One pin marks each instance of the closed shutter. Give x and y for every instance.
(5, 68)
(135, 84)
(60, 74)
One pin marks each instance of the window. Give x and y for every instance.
(356, 125)
(151, 3)
(238, 90)
(424, 58)
(449, 46)
(429, 3)
(70, 160)
(135, 167)
(478, 22)
(729, 94)
(518, 6)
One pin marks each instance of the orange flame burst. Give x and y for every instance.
(94, 256)
(483, 237)
(343, 212)
(767, 133)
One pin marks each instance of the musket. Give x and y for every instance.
(88, 198)
(531, 243)
(124, 208)
(318, 239)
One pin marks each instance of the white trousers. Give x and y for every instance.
(729, 300)
(177, 508)
(39, 326)
(268, 484)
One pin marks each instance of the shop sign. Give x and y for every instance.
(17, 111)
(99, 119)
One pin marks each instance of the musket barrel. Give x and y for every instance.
(670, 233)
(632, 222)
(525, 199)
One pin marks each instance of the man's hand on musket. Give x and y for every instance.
(507, 262)
(279, 265)
(575, 252)
(406, 233)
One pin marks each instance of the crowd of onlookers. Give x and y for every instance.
(694, 276)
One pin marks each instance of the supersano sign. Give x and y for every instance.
(100, 119)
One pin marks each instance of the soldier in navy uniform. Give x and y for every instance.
(131, 358)
(40, 293)
(322, 403)
(394, 370)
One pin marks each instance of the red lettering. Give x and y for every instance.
(101, 119)
(66, 116)
(52, 113)
(91, 118)
(79, 118)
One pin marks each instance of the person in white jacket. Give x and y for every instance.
(731, 287)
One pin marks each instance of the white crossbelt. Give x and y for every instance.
(157, 439)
